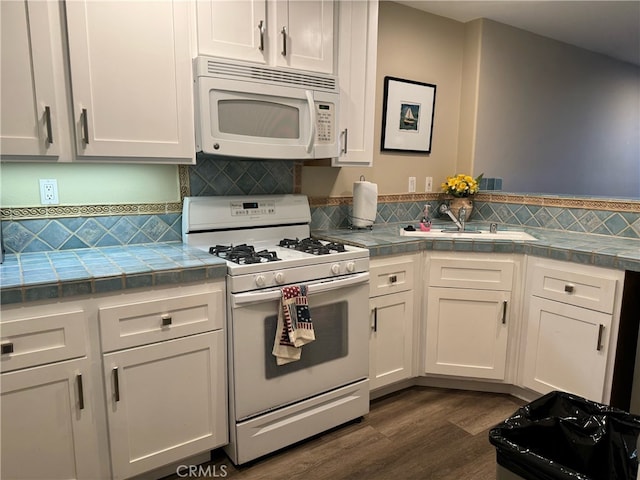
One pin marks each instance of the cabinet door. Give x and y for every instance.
(304, 33)
(48, 429)
(28, 122)
(357, 53)
(233, 29)
(131, 79)
(391, 342)
(566, 349)
(467, 332)
(166, 402)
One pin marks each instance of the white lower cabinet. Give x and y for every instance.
(113, 386)
(571, 328)
(165, 402)
(468, 316)
(47, 423)
(165, 378)
(48, 400)
(391, 306)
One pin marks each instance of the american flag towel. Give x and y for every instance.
(294, 325)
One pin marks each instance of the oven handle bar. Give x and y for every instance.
(312, 288)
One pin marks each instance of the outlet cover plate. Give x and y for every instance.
(49, 191)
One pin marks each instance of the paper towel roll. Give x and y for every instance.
(365, 204)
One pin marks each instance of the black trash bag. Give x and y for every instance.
(561, 436)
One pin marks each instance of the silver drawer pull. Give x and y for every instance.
(600, 333)
(116, 384)
(80, 391)
(375, 319)
(569, 288)
(6, 348)
(166, 320)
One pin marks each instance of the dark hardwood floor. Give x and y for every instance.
(419, 433)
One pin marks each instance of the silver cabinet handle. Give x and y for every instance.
(166, 320)
(600, 334)
(6, 348)
(116, 384)
(375, 319)
(504, 312)
(85, 126)
(345, 135)
(283, 32)
(47, 121)
(261, 30)
(80, 391)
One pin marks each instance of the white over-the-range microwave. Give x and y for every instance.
(256, 111)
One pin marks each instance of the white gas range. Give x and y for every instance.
(266, 242)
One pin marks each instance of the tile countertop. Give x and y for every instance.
(599, 250)
(29, 277)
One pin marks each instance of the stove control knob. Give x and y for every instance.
(279, 277)
(260, 280)
(351, 266)
(335, 268)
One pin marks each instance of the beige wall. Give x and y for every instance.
(418, 46)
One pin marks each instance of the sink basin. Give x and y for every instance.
(439, 233)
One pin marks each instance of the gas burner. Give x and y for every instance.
(312, 246)
(289, 243)
(243, 254)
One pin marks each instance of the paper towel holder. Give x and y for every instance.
(359, 223)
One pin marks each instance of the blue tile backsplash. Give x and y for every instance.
(240, 177)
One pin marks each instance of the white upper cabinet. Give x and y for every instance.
(131, 79)
(233, 28)
(304, 30)
(29, 114)
(287, 33)
(357, 50)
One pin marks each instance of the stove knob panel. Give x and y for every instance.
(260, 280)
(279, 277)
(335, 268)
(351, 266)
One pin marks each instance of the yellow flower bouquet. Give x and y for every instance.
(462, 185)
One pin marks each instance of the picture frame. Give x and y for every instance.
(407, 115)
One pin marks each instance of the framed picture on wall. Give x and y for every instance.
(407, 115)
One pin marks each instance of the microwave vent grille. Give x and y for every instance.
(272, 75)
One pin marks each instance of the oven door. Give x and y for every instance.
(338, 356)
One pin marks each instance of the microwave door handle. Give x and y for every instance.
(312, 120)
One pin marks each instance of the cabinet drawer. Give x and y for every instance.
(471, 273)
(390, 278)
(579, 289)
(139, 323)
(43, 339)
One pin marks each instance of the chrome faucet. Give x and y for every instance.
(462, 213)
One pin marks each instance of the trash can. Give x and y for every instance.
(561, 436)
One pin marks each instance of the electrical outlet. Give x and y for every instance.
(428, 184)
(49, 191)
(412, 184)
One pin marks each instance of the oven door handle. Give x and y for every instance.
(312, 288)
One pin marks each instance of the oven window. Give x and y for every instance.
(254, 118)
(330, 325)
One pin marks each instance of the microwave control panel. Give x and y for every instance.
(325, 122)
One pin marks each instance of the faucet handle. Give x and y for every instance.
(462, 214)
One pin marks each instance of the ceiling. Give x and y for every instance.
(608, 27)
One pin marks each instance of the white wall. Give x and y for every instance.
(555, 118)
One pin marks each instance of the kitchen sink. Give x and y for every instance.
(449, 234)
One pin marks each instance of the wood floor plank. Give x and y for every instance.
(416, 434)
